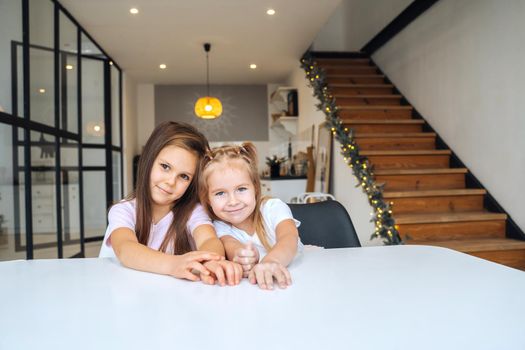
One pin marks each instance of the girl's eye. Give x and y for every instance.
(165, 166)
(218, 194)
(242, 189)
(185, 177)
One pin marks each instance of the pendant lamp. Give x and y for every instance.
(208, 107)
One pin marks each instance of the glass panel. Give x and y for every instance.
(43, 180)
(41, 23)
(20, 80)
(92, 101)
(95, 210)
(11, 29)
(41, 86)
(93, 157)
(89, 48)
(70, 198)
(115, 105)
(68, 75)
(117, 175)
(12, 233)
(69, 153)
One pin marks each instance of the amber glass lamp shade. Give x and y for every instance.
(208, 107)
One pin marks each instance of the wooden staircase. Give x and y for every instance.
(432, 203)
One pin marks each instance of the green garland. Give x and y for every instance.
(385, 227)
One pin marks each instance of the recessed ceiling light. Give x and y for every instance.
(133, 11)
(69, 66)
(253, 66)
(162, 66)
(270, 12)
(42, 91)
(110, 63)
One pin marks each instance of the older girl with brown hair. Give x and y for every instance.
(160, 227)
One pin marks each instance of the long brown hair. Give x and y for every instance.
(165, 134)
(247, 153)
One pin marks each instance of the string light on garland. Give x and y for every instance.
(385, 227)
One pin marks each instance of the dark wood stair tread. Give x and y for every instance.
(353, 75)
(383, 121)
(395, 134)
(448, 217)
(434, 193)
(374, 107)
(344, 61)
(367, 96)
(476, 245)
(440, 171)
(431, 152)
(362, 85)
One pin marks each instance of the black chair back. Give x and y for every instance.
(326, 224)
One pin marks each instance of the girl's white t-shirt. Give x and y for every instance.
(273, 212)
(123, 214)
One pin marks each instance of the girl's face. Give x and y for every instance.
(171, 175)
(232, 195)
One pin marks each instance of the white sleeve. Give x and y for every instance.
(222, 228)
(120, 215)
(275, 210)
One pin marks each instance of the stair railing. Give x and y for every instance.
(385, 226)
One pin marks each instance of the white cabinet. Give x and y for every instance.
(284, 189)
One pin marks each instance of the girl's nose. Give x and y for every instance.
(232, 200)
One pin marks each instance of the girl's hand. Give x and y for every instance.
(223, 271)
(264, 273)
(247, 256)
(184, 265)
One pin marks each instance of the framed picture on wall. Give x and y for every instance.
(292, 103)
(323, 159)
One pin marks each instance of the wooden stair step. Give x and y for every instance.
(351, 75)
(476, 245)
(450, 225)
(350, 121)
(374, 107)
(343, 61)
(392, 96)
(440, 201)
(509, 252)
(407, 152)
(434, 193)
(396, 141)
(448, 217)
(361, 85)
(349, 69)
(411, 159)
(439, 171)
(421, 179)
(377, 135)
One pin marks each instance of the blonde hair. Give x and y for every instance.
(247, 154)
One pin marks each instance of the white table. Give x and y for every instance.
(403, 297)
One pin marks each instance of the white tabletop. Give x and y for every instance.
(402, 297)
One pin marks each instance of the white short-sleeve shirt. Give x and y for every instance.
(123, 214)
(273, 212)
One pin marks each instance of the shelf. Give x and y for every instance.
(286, 123)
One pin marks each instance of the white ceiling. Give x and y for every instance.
(173, 32)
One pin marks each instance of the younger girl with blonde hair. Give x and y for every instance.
(250, 227)
(161, 227)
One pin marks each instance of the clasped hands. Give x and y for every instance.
(211, 268)
(263, 272)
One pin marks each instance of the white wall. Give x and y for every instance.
(355, 22)
(461, 65)
(129, 121)
(145, 113)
